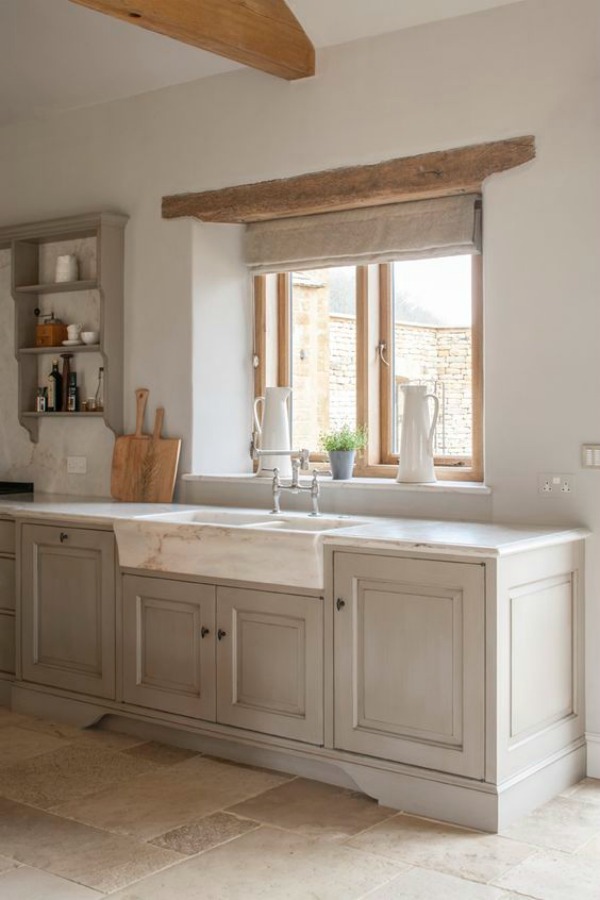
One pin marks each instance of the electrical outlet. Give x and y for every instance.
(76, 465)
(554, 484)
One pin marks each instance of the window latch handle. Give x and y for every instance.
(381, 351)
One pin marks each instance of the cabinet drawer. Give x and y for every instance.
(7, 582)
(7, 643)
(7, 536)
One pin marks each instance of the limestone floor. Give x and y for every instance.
(88, 814)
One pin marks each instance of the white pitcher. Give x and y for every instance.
(416, 440)
(273, 427)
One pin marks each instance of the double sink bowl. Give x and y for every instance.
(244, 545)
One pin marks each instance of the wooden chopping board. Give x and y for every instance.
(129, 455)
(159, 468)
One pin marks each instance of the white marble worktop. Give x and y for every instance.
(147, 539)
(78, 510)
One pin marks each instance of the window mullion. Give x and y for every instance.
(386, 368)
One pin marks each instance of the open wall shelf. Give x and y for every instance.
(96, 299)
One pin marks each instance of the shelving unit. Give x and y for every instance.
(96, 299)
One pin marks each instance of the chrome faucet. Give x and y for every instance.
(296, 488)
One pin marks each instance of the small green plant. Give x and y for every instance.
(345, 438)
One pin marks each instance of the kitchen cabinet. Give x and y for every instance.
(169, 646)
(95, 299)
(409, 661)
(68, 608)
(7, 598)
(270, 663)
(248, 658)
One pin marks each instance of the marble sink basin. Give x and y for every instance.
(240, 545)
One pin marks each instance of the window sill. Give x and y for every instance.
(327, 483)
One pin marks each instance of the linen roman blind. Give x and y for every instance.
(444, 226)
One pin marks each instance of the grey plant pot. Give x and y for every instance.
(342, 463)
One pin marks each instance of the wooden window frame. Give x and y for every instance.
(377, 460)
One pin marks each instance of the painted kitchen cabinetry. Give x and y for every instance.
(94, 300)
(68, 608)
(169, 646)
(247, 658)
(7, 599)
(409, 658)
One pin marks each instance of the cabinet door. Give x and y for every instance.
(409, 661)
(169, 646)
(68, 608)
(7, 582)
(7, 643)
(270, 663)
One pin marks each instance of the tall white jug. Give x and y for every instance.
(416, 440)
(272, 421)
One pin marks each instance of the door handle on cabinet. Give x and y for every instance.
(339, 603)
(221, 634)
(204, 631)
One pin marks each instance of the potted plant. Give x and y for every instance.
(341, 445)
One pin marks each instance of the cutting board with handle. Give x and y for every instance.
(159, 468)
(129, 456)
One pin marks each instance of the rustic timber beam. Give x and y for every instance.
(443, 173)
(263, 34)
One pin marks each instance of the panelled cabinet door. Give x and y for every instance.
(68, 608)
(169, 646)
(270, 663)
(409, 661)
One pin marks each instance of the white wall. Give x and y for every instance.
(527, 68)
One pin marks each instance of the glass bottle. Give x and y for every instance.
(100, 390)
(54, 389)
(66, 375)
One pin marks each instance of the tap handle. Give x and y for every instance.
(275, 477)
(315, 486)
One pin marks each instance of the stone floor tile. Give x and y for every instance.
(422, 884)
(33, 884)
(17, 743)
(6, 863)
(111, 740)
(160, 754)
(160, 801)
(587, 791)
(561, 824)
(554, 876)
(268, 864)
(316, 809)
(206, 833)
(97, 859)
(435, 845)
(67, 773)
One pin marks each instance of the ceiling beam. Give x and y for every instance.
(263, 34)
(442, 173)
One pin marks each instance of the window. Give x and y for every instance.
(346, 337)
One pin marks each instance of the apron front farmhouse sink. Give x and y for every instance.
(241, 545)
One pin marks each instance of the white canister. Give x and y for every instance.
(67, 268)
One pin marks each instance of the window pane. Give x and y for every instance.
(432, 345)
(323, 353)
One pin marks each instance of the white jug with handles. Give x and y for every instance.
(416, 440)
(272, 424)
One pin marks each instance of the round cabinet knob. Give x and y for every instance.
(63, 537)
(340, 604)
(221, 634)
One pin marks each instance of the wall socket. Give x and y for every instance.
(555, 484)
(76, 465)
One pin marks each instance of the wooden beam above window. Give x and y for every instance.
(263, 34)
(442, 173)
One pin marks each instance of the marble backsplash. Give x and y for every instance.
(45, 463)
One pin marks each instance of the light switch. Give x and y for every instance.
(590, 456)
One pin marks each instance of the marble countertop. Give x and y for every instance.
(476, 538)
